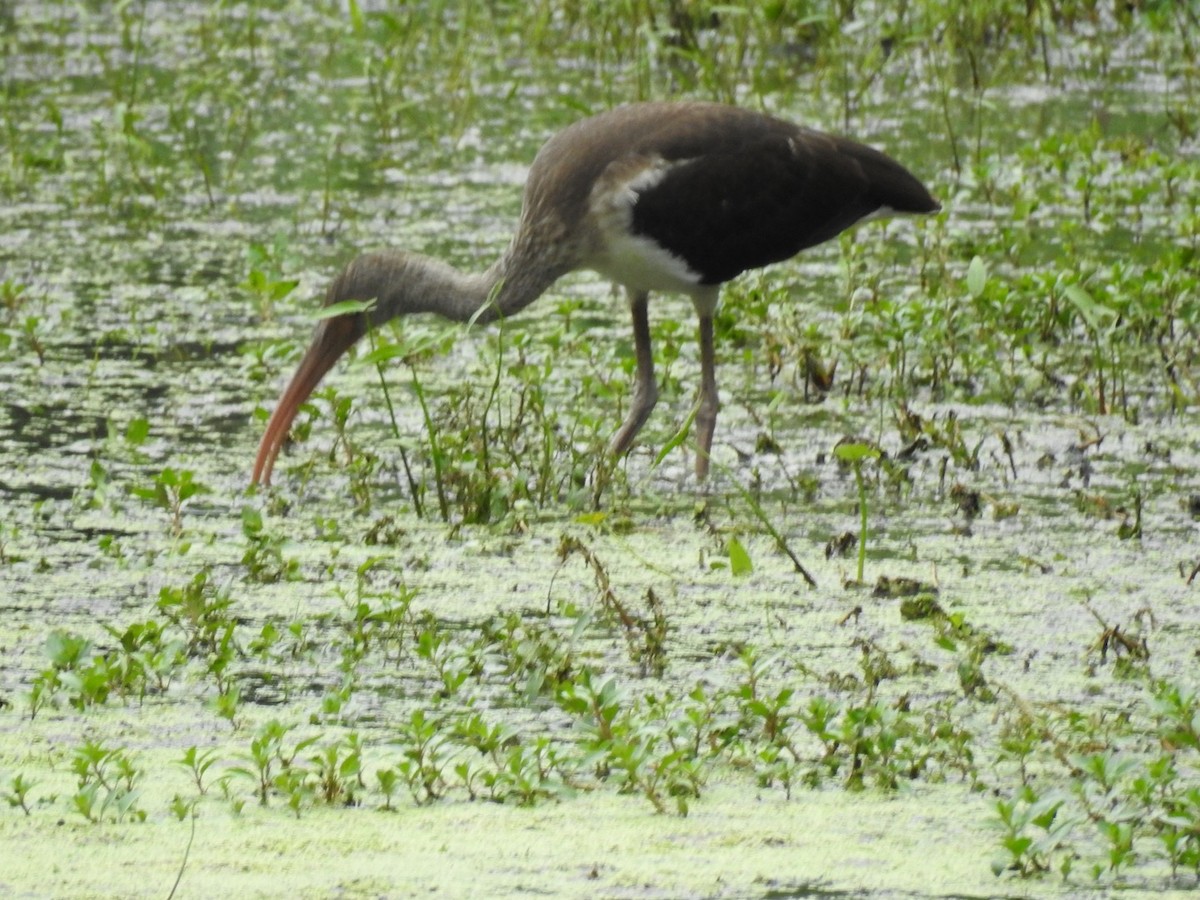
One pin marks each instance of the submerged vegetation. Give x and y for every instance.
(974, 435)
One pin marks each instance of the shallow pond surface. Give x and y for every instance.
(639, 645)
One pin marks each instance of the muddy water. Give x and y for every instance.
(131, 346)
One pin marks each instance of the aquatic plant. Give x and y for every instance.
(172, 195)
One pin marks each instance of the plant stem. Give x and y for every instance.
(862, 528)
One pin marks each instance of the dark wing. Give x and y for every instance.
(756, 190)
(740, 190)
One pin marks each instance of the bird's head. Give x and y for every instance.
(350, 309)
(375, 288)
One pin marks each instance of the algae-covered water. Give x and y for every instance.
(455, 649)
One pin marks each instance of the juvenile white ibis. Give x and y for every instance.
(655, 196)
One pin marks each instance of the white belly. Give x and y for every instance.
(641, 265)
(629, 259)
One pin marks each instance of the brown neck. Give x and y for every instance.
(407, 283)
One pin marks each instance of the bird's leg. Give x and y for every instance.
(709, 403)
(645, 390)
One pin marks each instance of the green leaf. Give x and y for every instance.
(739, 559)
(679, 437)
(1017, 845)
(1093, 313)
(149, 494)
(411, 346)
(280, 289)
(255, 282)
(346, 307)
(977, 275)
(383, 354)
(189, 489)
(852, 453)
(137, 431)
(356, 17)
(252, 521)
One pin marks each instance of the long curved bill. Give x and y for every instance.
(332, 339)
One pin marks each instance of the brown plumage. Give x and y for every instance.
(675, 197)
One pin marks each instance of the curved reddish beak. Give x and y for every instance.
(332, 339)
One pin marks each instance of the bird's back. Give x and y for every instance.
(721, 188)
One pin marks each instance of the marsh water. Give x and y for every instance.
(446, 548)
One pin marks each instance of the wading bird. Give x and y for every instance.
(654, 196)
